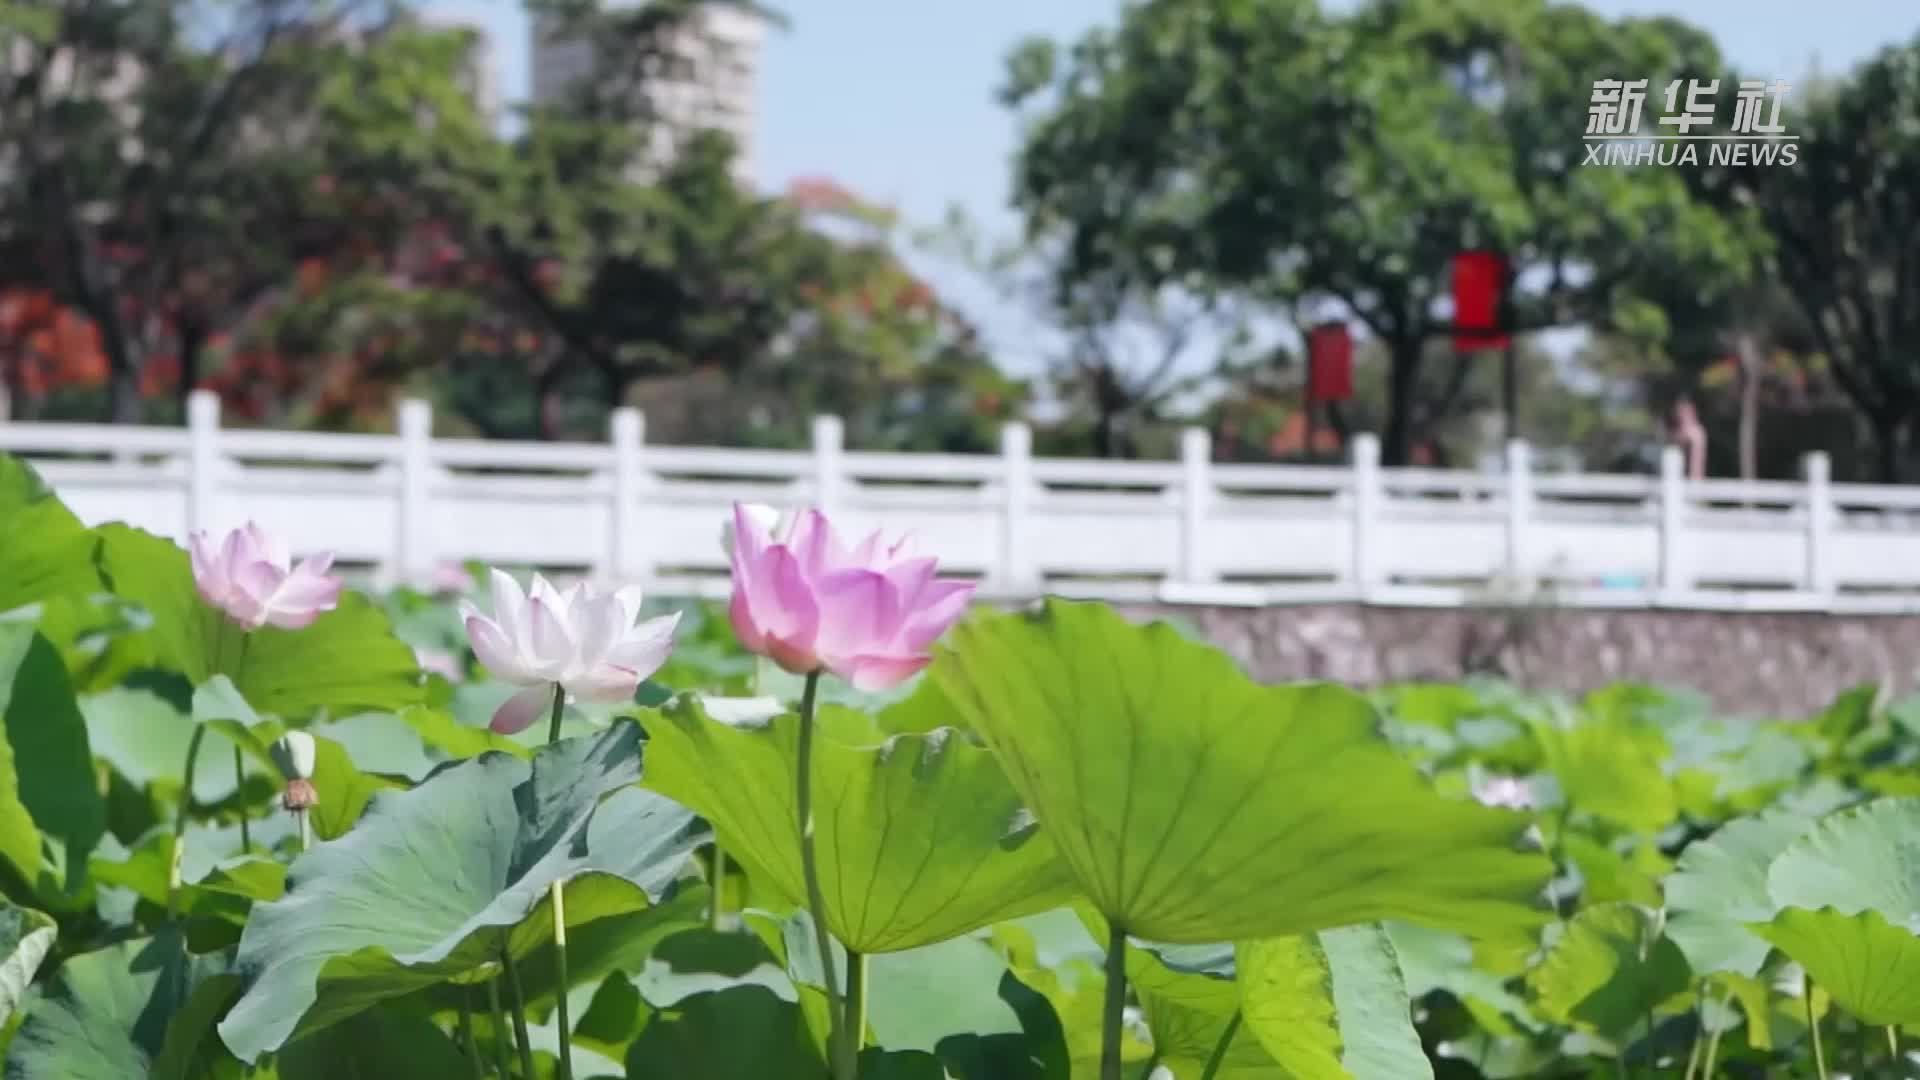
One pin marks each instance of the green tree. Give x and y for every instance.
(1291, 154)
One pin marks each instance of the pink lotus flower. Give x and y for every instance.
(809, 603)
(439, 662)
(249, 576)
(583, 640)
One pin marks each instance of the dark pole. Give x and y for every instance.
(1510, 388)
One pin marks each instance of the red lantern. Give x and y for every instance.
(1479, 285)
(1329, 363)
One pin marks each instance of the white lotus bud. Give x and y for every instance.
(295, 753)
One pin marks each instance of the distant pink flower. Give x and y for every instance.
(249, 576)
(451, 579)
(867, 613)
(584, 640)
(440, 662)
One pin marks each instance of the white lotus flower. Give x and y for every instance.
(584, 640)
(1506, 791)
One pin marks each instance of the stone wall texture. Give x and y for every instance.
(1759, 664)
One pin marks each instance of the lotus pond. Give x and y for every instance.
(253, 824)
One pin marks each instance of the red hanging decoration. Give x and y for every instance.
(1479, 282)
(1329, 363)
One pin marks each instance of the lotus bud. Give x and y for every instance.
(295, 753)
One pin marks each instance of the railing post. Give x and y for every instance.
(1196, 495)
(203, 459)
(1819, 471)
(628, 561)
(1673, 502)
(828, 436)
(415, 543)
(1015, 569)
(1519, 510)
(1366, 513)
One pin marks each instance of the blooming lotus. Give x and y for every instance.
(867, 613)
(250, 577)
(772, 522)
(584, 641)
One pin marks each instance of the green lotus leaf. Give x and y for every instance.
(1608, 970)
(437, 881)
(1864, 857)
(1719, 886)
(1869, 966)
(1332, 1005)
(740, 1033)
(138, 1010)
(44, 550)
(920, 837)
(1613, 771)
(378, 1042)
(48, 795)
(1441, 960)
(346, 661)
(25, 937)
(1195, 806)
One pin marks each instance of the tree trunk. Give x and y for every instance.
(1889, 444)
(123, 396)
(1749, 407)
(193, 343)
(1403, 376)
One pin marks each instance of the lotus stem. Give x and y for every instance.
(519, 1011)
(560, 993)
(844, 1068)
(1219, 1055)
(717, 902)
(856, 1000)
(466, 1033)
(1116, 1003)
(560, 923)
(1813, 1027)
(239, 786)
(1693, 1052)
(1893, 1044)
(499, 1029)
(180, 821)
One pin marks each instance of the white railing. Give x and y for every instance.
(1186, 531)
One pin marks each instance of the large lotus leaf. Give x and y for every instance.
(1332, 1005)
(1441, 960)
(1870, 967)
(1613, 771)
(1720, 885)
(740, 1033)
(1608, 971)
(379, 1042)
(1073, 988)
(347, 660)
(1853, 860)
(1195, 805)
(25, 937)
(47, 789)
(138, 1009)
(919, 837)
(44, 550)
(437, 880)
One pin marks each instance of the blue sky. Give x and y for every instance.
(893, 98)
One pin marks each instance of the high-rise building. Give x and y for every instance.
(714, 90)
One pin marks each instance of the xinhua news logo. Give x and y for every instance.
(1758, 137)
